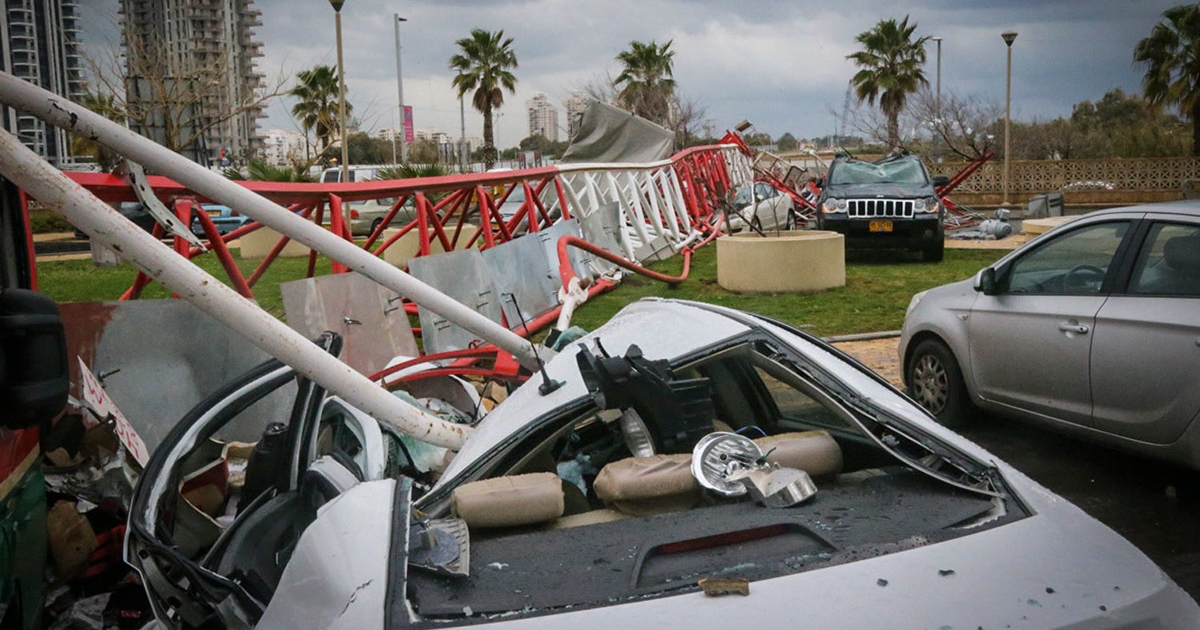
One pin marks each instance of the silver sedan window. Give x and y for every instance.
(1072, 264)
(1169, 263)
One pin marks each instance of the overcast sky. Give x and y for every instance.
(779, 63)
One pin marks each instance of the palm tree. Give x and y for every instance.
(891, 63)
(646, 86)
(317, 109)
(484, 64)
(411, 171)
(263, 171)
(1171, 55)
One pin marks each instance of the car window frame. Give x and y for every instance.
(1111, 276)
(784, 423)
(1124, 279)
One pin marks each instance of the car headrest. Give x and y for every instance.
(511, 501)
(648, 485)
(1182, 253)
(814, 452)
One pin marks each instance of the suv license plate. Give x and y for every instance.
(881, 226)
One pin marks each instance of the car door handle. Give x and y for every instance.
(1075, 328)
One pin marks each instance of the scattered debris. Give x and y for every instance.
(92, 460)
(997, 229)
(71, 538)
(716, 587)
(83, 614)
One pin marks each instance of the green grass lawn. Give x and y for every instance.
(878, 289)
(876, 294)
(81, 281)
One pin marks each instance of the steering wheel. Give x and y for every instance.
(1072, 283)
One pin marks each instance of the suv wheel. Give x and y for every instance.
(935, 381)
(375, 226)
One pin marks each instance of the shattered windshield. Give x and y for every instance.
(900, 171)
(761, 191)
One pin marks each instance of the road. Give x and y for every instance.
(1155, 506)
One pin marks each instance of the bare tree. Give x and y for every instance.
(685, 116)
(964, 125)
(873, 124)
(600, 87)
(176, 98)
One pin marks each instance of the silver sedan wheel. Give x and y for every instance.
(931, 384)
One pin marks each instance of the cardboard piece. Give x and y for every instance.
(71, 538)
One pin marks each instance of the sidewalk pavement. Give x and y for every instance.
(877, 354)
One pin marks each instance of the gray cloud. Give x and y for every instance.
(779, 63)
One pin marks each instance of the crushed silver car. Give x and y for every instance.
(762, 208)
(684, 465)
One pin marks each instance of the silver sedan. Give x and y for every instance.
(769, 210)
(1092, 329)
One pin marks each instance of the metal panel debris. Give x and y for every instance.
(369, 317)
(465, 277)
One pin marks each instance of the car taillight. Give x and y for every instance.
(354, 214)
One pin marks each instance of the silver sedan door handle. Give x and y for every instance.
(1075, 328)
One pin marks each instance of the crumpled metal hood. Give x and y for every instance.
(871, 191)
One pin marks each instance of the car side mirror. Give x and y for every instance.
(34, 376)
(941, 180)
(985, 281)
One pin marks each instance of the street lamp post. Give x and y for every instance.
(337, 12)
(393, 138)
(937, 108)
(463, 158)
(1009, 37)
(396, 20)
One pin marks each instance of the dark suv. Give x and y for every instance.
(890, 203)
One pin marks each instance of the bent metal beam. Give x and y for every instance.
(78, 120)
(105, 225)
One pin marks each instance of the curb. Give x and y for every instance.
(871, 336)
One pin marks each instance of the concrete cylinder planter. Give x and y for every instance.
(793, 262)
(260, 242)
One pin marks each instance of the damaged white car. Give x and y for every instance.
(683, 466)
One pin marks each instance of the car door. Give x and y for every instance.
(768, 209)
(1030, 343)
(1145, 360)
